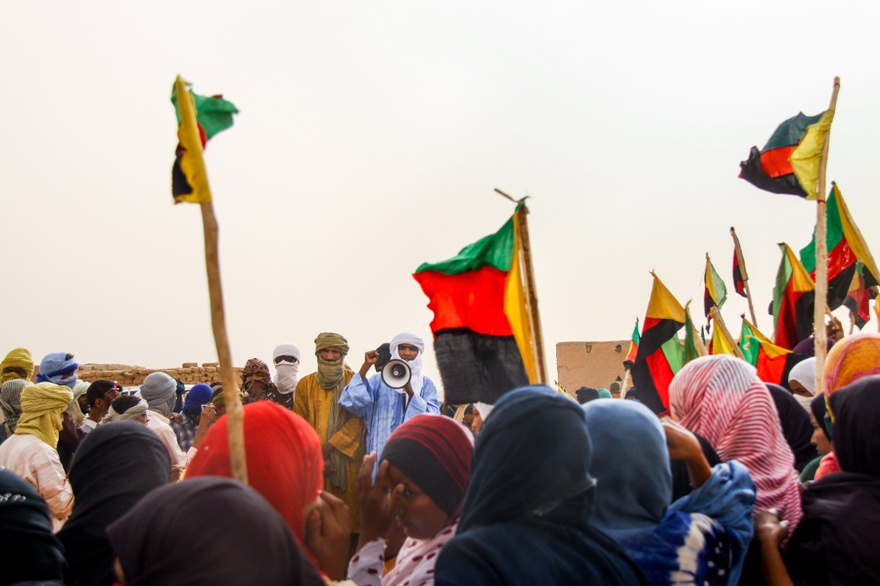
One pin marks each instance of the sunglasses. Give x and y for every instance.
(285, 358)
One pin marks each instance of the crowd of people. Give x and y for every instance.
(359, 478)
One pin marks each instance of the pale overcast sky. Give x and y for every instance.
(370, 138)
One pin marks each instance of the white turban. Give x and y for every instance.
(416, 364)
(286, 373)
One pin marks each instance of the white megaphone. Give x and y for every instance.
(396, 374)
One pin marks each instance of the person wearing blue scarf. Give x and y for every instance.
(526, 517)
(701, 538)
(59, 368)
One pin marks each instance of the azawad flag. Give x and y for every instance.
(793, 297)
(661, 353)
(772, 362)
(845, 248)
(789, 162)
(198, 118)
(482, 333)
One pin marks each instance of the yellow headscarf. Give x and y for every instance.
(18, 358)
(41, 407)
(850, 359)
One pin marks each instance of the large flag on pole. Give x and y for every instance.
(198, 118)
(789, 162)
(772, 362)
(845, 246)
(793, 299)
(661, 353)
(477, 298)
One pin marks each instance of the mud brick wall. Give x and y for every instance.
(190, 373)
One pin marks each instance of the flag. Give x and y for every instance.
(719, 343)
(772, 362)
(845, 246)
(198, 118)
(859, 296)
(633, 348)
(793, 299)
(661, 353)
(715, 293)
(739, 270)
(480, 323)
(789, 162)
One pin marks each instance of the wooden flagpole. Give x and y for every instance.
(234, 410)
(745, 275)
(821, 345)
(530, 289)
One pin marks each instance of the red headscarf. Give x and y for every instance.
(284, 459)
(722, 399)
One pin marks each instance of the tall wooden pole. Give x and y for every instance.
(530, 289)
(745, 275)
(820, 337)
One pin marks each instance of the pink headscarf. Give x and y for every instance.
(722, 399)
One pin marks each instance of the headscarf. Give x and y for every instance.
(331, 377)
(41, 407)
(114, 467)
(850, 359)
(519, 471)
(631, 463)
(286, 373)
(253, 367)
(79, 389)
(217, 396)
(196, 397)
(31, 553)
(139, 409)
(586, 394)
(796, 425)
(722, 399)
(160, 391)
(604, 393)
(283, 454)
(55, 366)
(208, 531)
(804, 372)
(10, 401)
(415, 365)
(856, 409)
(18, 358)
(818, 407)
(435, 453)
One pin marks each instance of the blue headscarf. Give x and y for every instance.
(196, 397)
(631, 464)
(532, 457)
(56, 365)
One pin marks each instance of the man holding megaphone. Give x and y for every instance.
(396, 394)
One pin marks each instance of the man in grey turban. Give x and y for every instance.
(160, 392)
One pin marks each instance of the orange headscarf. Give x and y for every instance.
(850, 359)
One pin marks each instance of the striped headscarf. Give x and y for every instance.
(850, 359)
(41, 407)
(722, 399)
(18, 358)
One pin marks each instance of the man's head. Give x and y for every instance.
(59, 368)
(255, 377)
(330, 347)
(17, 364)
(407, 346)
(159, 390)
(129, 408)
(586, 394)
(100, 394)
(196, 398)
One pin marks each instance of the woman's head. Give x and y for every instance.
(850, 359)
(630, 463)
(820, 437)
(284, 459)
(429, 456)
(531, 460)
(856, 412)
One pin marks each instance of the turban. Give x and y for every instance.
(55, 366)
(41, 407)
(160, 391)
(286, 372)
(415, 365)
(137, 410)
(18, 358)
(196, 397)
(10, 400)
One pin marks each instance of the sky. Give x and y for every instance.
(370, 138)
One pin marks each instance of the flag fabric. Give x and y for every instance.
(715, 293)
(719, 343)
(772, 362)
(739, 271)
(789, 162)
(198, 118)
(859, 296)
(845, 247)
(793, 299)
(633, 348)
(661, 353)
(478, 304)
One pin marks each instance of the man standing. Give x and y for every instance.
(256, 382)
(286, 358)
(383, 408)
(100, 394)
(198, 399)
(342, 434)
(160, 392)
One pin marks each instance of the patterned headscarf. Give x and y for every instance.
(850, 359)
(331, 377)
(255, 367)
(10, 401)
(18, 358)
(41, 407)
(722, 399)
